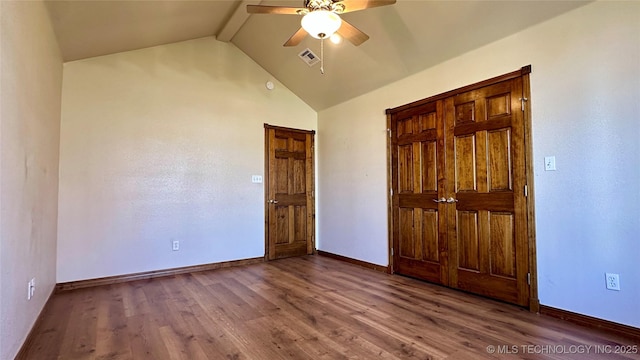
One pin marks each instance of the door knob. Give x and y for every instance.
(442, 199)
(451, 200)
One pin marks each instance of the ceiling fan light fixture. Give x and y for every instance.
(321, 24)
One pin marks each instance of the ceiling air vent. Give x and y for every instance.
(309, 57)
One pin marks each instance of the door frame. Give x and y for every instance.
(534, 302)
(311, 181)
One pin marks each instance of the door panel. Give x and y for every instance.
(430, 235)
(499, 152)
(458, 209)
(429, 167)
(282, 225)
(290, 213)
(465, 160)
(417, 169)
(487, 133)
(405, 171)
(502, 244)
(467, 236)
(407, 235)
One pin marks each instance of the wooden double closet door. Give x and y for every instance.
(458, 189)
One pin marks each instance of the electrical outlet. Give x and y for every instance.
(176, 245)
(613, 281)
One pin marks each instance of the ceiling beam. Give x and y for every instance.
(236, 21)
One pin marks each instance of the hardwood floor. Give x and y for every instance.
(310, 307)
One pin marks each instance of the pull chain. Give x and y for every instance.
(322, 55)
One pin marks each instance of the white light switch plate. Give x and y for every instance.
(549, 163)
(256, 179)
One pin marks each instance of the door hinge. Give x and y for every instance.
(391, 192)
(526, 191)
(391, 251)
(522, 101)
(528, 278)
(389, 132)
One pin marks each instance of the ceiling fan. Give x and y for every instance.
(321, 18)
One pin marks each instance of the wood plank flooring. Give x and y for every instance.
(310, 307)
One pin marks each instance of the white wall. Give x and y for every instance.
(30, 81)
(585, 104)
(158, 145)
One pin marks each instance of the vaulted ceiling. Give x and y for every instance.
(407, 37)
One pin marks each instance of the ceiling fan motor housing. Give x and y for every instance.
(329, 5)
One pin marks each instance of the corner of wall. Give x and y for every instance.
(31, 81)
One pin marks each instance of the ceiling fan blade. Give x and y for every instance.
(296, 38)
(263, 9)
(351, 33)
(355, 5)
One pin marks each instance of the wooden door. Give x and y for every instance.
(418, 165)
(485, 154)
(457, 176)
(290, 210)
